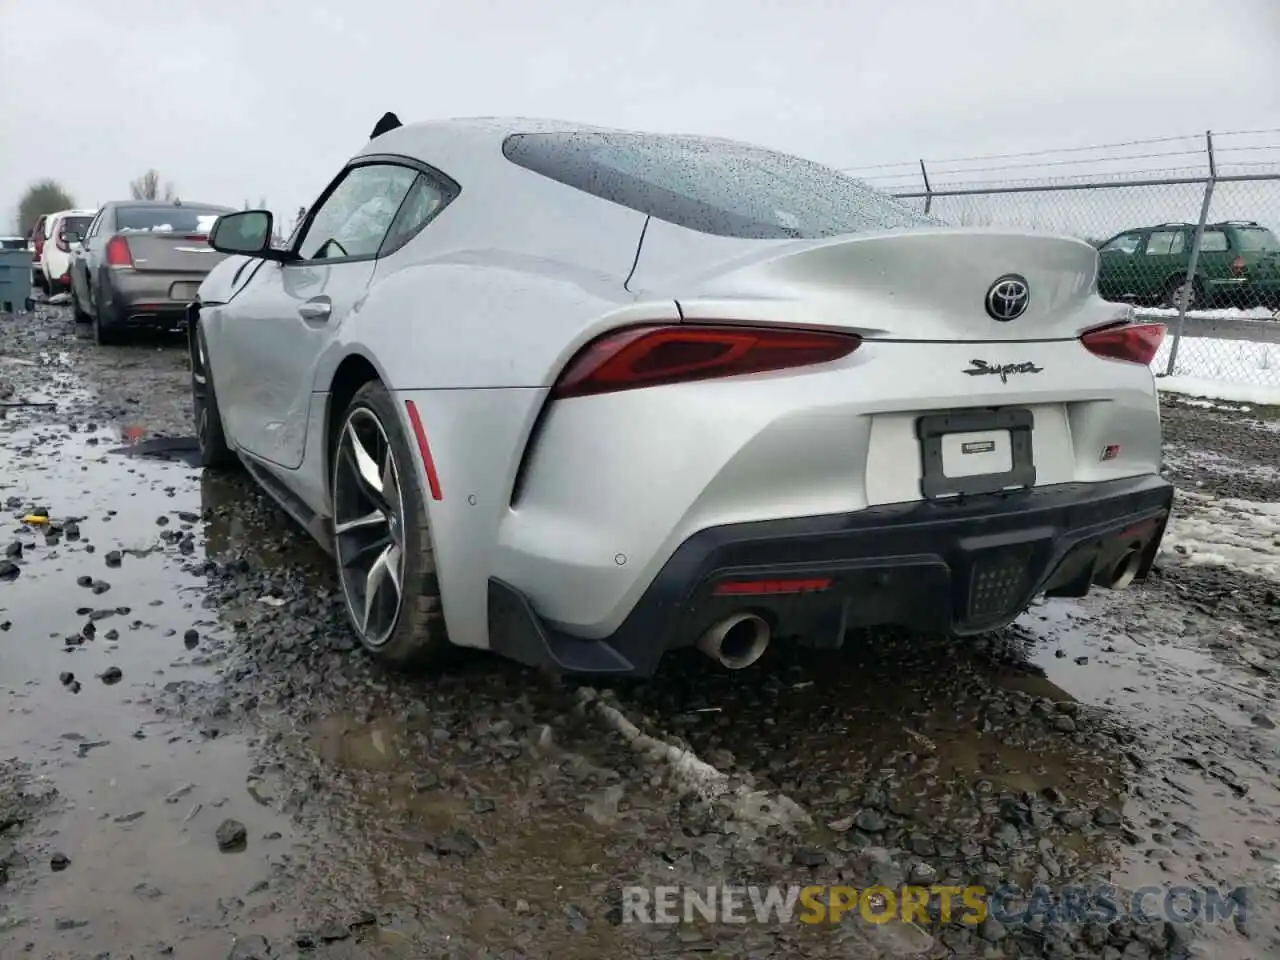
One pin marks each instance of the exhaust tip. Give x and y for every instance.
(1125, 570)
(737, 641)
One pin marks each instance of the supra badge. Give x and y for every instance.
(980, 368)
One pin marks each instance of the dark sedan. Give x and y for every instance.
(140, 263)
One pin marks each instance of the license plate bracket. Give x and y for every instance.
(1017, 422)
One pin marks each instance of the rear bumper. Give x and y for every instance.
(959, 567)
(151, 299)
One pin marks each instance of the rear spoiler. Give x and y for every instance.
(388, 123)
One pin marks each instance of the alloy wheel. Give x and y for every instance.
(368, 525)
(200, 381)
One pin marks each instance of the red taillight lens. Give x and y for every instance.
(200, 237)
(1238, 267)
(761, 588)
(118, 253)
(649, 356)
(40, 246)
(1135, 342)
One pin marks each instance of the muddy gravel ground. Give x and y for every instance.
(196, 762)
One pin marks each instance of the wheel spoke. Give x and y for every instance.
(360, 554)
(369, 521)
(366, 466)
(383, 573)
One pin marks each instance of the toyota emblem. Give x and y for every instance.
(1008, 298)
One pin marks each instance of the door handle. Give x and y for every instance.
(316, 310)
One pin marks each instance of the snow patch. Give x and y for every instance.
(1228, 313)
(694, 776)
(1240, 371)
(1216, 390)
(1222, 531)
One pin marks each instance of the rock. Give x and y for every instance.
(1262, 721)
(111, 675)
(455, 843)
(331, 931)
(59, 862)
(191, 638)
(113, 558)
(231, 835)
(992, 930)
(252, 947)
(1064, 724)
(9, 570)
(869, 821)
(808, 858)
(1106, 817)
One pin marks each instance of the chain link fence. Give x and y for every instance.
(1187, 228)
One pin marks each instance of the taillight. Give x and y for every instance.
(199, 237)
(762, 588)
(1238, 267)
(1134, 342)
(653, 355)
(39, 246)
(118, 253)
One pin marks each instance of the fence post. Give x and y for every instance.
(928, 190)
(1189, 281)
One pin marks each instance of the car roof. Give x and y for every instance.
(166, 203)
(464, 135)
(73, 213)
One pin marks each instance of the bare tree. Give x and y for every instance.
(147, 187)
(41, 199)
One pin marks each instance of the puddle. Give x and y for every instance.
(143, 852)
(1205, 793)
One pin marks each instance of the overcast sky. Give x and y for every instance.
(233, 100)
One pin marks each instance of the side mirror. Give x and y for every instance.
(246, 232)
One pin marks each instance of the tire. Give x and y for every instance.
(410, 633)
(78, 312)
(206, 417)
(1175, 285)
(105, 332)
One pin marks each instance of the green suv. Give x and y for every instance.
(1239, 265)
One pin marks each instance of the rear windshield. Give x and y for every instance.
(713, 186)
(13, 243)
(75, 224)
(168, 219)
(1257, 239)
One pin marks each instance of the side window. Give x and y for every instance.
(1214, 241)
(356, 214)
(1165, 243)
(1125, 243)
(426, 198)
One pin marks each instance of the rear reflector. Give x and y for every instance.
(424, 449)
(1134, 342)
(760, 588)
(118, 253)
(652, 355)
